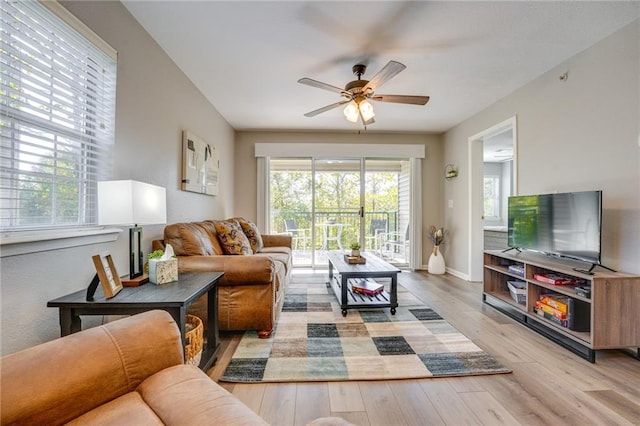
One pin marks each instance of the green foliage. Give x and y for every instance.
(155, 254)
(355, 245)
(48, 184)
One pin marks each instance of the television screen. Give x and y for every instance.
(566, 224)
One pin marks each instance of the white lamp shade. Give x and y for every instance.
(351, 111)
(367, 110)
(127, 202)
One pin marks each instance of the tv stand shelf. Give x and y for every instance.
(612, 314)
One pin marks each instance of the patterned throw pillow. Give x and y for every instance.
(232, 237)
(253, 234)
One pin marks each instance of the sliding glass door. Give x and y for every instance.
(387, 203)
(291, 204)
(330, 203)
(337, 201)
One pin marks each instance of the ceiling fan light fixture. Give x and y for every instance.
(367, 110)
(351, 111)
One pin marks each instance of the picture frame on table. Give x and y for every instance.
(107, 274)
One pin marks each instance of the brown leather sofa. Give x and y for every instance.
(251, 292)
(127, 372)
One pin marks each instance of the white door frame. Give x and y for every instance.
(414, 152)
(476, 191)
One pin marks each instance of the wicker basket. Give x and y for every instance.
(194, 332)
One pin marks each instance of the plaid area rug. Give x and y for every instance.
(314, 342)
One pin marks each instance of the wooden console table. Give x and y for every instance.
(175, 298)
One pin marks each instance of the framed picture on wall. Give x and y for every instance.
(200, 165)
(109, 278)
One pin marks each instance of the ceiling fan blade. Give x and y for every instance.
(387, 72)
(321, 85)
(326, 108)
(401, 99)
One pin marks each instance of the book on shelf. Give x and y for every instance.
(556, 279)
(577, 318)
(550, 310)
(516, 270)
(368, 287)
(556, 301)
(561, 322)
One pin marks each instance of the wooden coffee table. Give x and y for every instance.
(373, 268)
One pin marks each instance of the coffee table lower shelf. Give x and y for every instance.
(358, 300)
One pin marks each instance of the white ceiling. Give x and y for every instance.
(246, 56)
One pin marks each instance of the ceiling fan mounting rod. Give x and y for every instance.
(359, 70)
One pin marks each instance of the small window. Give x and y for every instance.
(492, 197)
(57, 119)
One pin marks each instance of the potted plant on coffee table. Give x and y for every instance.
(355, 249)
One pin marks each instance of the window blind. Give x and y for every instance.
(57, 119)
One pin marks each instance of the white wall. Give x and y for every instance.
(155, 102)
(573, 135)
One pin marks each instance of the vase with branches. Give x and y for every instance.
(436, 261)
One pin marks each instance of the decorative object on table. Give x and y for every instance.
(194, 337)
(128, 202)
(200, 165)
(450, 171)
(164, 269)
(436, 263)
(153, 255)
(355, 260)
(414, 343)
(107, 274)
(367, 286)
(355, 249)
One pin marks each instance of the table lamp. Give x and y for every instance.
(132, 203)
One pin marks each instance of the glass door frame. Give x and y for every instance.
(414, 152)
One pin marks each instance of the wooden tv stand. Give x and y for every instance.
(613, 305)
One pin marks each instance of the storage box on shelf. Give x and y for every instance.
(609, 319)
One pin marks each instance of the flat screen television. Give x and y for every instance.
(565, 225)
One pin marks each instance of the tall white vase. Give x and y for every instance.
(436, 262)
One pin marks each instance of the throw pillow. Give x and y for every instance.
(232, 237)
(253, 234)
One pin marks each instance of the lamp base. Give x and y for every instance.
(134, 282)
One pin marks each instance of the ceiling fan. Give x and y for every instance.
(358, 92)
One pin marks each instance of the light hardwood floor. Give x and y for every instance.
(549, 384)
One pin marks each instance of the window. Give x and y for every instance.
(492, 197)
(57, 119)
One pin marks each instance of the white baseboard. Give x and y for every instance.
(453, 272)
(458, 274)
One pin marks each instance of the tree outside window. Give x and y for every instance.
(492, 197)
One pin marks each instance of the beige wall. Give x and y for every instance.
(580, 134)
(155, 102)
(432, 169)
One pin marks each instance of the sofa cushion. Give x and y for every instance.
(253, 234)
(184, 395)
(232, 237)
(190, 239)
(209, 227)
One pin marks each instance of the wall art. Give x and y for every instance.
(200, 165)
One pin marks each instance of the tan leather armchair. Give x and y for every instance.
(128, 371)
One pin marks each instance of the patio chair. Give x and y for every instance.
(297, 234)
(395, 242)
(377, 227)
